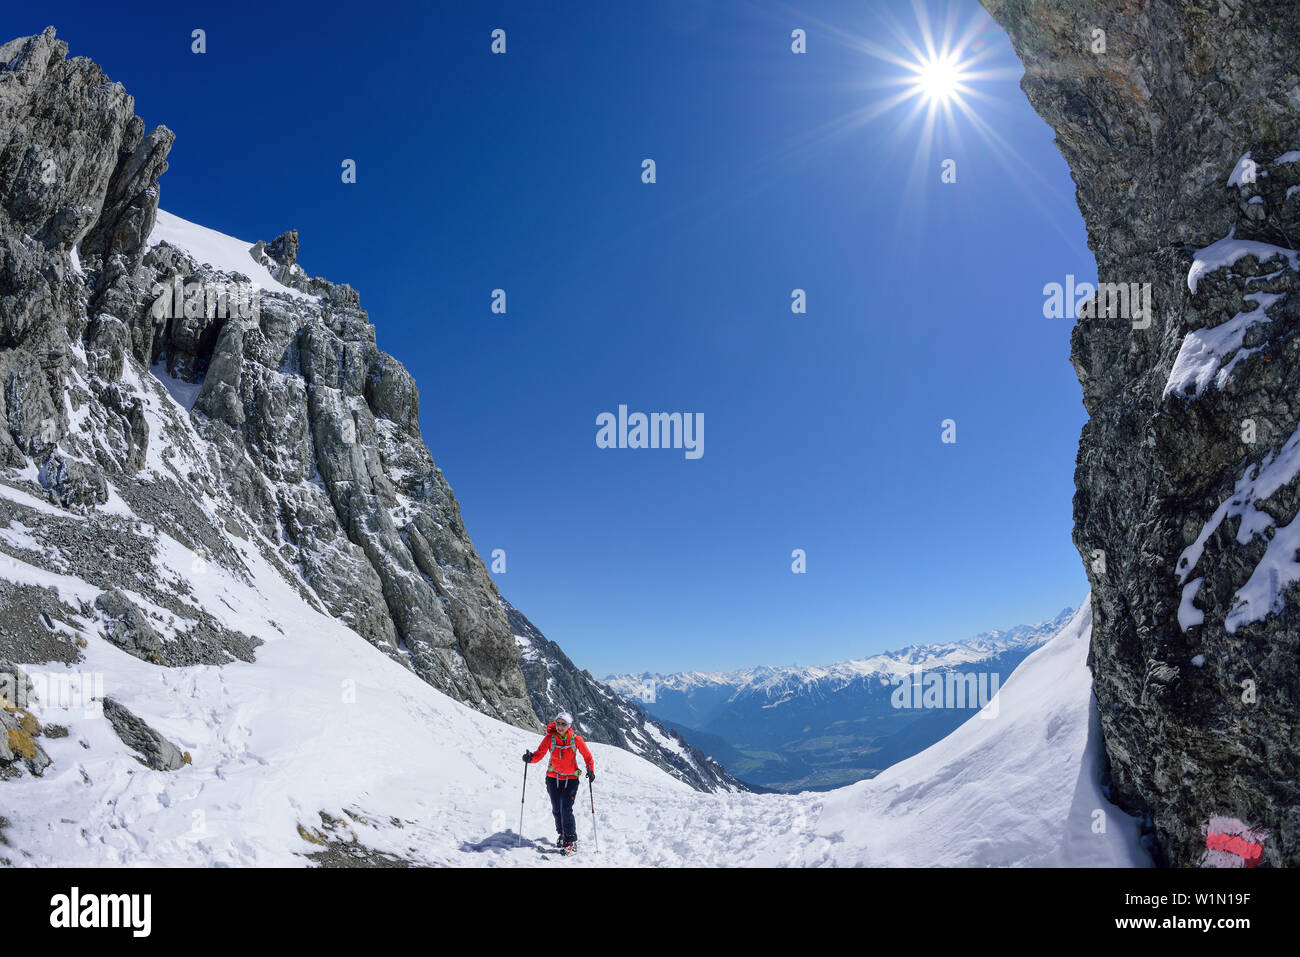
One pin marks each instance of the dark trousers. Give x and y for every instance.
(563, 794)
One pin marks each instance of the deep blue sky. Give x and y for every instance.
(522, 171)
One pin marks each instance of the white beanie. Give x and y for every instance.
(566, 717)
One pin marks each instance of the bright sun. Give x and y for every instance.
(939, 77)
(930, 81)
(941, 63)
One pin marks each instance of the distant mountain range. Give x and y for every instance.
(818, 727)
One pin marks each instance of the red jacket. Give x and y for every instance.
(561, 748)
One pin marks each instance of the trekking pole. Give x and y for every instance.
(594, 835)
(520, 836)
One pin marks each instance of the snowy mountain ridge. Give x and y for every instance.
(799, 728)
(886, 665)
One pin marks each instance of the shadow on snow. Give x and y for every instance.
(506, 840)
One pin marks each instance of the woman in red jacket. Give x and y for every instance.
(562, 743)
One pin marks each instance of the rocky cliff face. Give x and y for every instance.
(289, 432)
(1179, 123)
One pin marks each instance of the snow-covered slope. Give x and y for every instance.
(1018, 784)
(324, 738)
(223, 253)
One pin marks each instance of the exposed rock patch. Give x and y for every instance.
(19, 730)
(153, 750)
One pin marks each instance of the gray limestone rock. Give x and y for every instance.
(1196, 612)
(126, 626)
(73, 484)
(153, 750)
(19, 730)
(308, 443)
